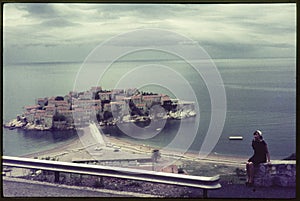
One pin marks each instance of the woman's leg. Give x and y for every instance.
(250, 171)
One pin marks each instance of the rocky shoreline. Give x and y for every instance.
(21, 123)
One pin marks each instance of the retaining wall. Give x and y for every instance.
(277, 173)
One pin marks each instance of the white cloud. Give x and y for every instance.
(83, 26)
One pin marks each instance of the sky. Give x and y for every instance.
(39, 32)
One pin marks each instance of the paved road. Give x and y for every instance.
(241, 191)
(23, 188)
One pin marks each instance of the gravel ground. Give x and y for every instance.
(24, 189)
(16, 187)
(116, 184)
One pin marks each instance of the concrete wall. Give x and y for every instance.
(278, 173)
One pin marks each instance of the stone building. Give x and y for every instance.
(131, 92)
(149, 100)
(137, 99)
(87, 95)
(105, 96)
(50, 109)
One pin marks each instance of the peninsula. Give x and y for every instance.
(106, 107)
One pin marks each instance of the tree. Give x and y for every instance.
(59, 117)
(107, 115)
(134, 109)
(167, 105)
(59, 98)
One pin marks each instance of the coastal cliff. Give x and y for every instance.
(107, 107)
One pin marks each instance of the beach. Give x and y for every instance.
(110, 150)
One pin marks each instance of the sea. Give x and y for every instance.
(260, 94)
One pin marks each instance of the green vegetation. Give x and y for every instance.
(59, 117)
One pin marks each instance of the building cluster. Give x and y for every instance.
(96, 104)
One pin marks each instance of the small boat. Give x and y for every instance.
(235, 137)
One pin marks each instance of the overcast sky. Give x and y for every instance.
(68, 32)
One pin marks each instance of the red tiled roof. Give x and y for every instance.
(32, 107)
(140, 105)
(151, 96)
(136, 97)
(117, 103)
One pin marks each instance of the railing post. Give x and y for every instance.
(204, 193)
(101, 182)
(56, 176)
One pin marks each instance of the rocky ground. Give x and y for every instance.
(116, 184)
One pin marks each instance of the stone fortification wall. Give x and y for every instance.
(278, 173)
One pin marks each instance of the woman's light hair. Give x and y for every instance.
(258, 132)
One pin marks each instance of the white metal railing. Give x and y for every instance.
(202, 182)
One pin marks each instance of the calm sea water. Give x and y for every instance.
(261, 94)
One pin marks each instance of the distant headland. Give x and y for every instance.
(107, 107)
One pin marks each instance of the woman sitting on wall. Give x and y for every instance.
(261, 155)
